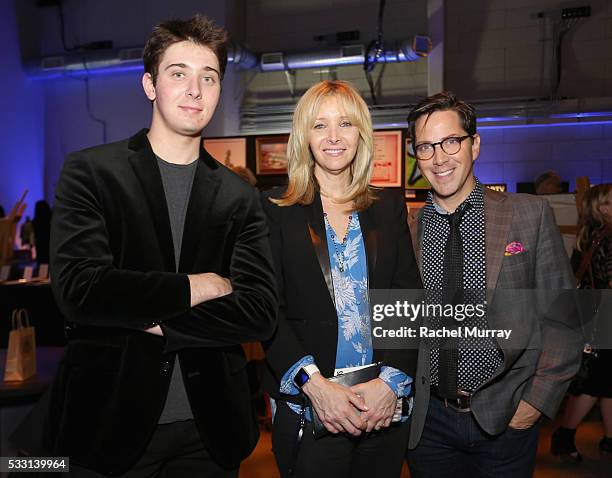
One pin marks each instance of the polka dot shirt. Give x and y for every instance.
(478, 357)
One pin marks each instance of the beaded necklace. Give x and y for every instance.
(338, 247)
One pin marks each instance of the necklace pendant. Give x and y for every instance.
(341, 269)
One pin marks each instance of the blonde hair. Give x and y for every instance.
(592, 219)
(302, 182)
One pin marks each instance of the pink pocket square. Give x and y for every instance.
(514, 248)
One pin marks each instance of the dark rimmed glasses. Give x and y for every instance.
(450, 145)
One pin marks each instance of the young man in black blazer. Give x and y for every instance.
(161, 264)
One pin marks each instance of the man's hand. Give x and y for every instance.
(336, 405)
(380, 400)
(525, 416)
(208, 286)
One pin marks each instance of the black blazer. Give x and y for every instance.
(308, 322)
(113, 269)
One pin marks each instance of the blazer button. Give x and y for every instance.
(165, 367)
(423, 379)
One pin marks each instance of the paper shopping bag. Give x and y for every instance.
(21, 354)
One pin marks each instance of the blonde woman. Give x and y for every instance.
(334, 238)
(595, 224)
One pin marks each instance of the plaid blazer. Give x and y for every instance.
(544, 351)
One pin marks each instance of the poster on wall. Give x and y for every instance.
(414, 177)
(230, 152)
(387, 168)
(271, 154)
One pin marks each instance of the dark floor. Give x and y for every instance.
(261, 463)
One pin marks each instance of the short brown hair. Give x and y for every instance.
(443, 101)
(198, 29)
(548, 182)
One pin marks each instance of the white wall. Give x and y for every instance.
(511, 155)
(493, 48)
(500, 48)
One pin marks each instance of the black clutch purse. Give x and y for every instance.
(348, 380)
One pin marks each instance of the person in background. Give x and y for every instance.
(27, 233)
(478, 400)
(334, 238)
(41, 225)
(595, 224)
(161, 265)
(548, 183)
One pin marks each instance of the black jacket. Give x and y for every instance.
(308, 322)
(113, 270)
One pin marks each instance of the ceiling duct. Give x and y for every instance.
(130, 59)
(414, 49)
(76, 64)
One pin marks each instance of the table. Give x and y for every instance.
(18, 398)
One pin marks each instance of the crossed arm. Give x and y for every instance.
(194, 310)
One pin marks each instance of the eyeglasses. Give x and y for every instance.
(451, 145)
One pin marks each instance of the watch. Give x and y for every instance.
(303, 375)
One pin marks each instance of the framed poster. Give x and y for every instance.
(271, 154)
(387, 167)
(230, 152)
(414, 177)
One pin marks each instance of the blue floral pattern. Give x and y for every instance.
(349, 273)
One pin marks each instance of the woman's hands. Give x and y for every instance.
(338, 407)
(380, 401)
(363, 407)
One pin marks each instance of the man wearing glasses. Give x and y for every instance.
(479, 398)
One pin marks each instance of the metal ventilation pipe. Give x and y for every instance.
(113, 61)
(413, 49)
(130, 59)
(243, 58)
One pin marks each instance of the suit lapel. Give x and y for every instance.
(318, 238)
(202, 199)
(369, 232)
(316, 230)
(498, 217)
(145, 167)
(415, 224)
